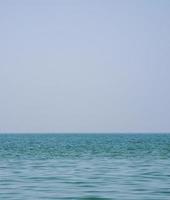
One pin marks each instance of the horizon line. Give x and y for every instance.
(78, 133)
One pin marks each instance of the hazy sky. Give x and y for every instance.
(84, 66)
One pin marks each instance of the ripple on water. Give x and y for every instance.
(117, 167)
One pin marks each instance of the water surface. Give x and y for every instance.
(85, 166)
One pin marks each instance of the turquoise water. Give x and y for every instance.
(96, 166)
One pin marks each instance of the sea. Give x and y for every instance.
(85, 166)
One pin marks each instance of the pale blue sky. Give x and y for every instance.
(85, 66)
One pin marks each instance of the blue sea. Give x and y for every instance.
(85, 166)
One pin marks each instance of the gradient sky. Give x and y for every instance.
(84, 66)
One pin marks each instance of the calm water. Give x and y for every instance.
(118, 167)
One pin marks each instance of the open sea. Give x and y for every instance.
(85, 166)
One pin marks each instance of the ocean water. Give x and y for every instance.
(85, 166)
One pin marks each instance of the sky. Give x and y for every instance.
(83, 66)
